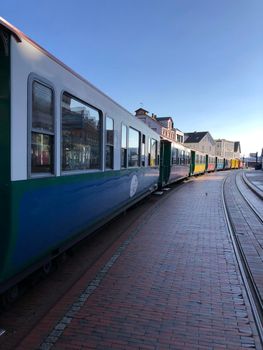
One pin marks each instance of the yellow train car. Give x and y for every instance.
(234, 163)
(198, 163)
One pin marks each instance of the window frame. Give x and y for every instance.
(45, 82)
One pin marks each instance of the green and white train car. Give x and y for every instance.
(71, 157)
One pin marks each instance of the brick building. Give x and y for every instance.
(164, 126)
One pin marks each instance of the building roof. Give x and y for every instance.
(195, 137)
(141, 111)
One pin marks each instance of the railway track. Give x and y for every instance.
(253, 201)
(252, 289)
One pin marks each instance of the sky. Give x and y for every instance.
(197, 61)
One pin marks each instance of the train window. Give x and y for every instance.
(143, 151)
(42, 129)
(124, 134)
(81, 135)
(177, 156)
(182, 157)
(154, 154)
(189, 158)
(109, 148)
(149, 151)
(42, 107)
(173, 155)
(134, 148)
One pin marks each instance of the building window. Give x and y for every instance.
(124, 133)
(134, 148)
(109, 148)
(42, 129)
(81, 135)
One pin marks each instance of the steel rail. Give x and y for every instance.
(246, 199)
(246, 275)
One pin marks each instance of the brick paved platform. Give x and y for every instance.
(171, 282)
(255, 180)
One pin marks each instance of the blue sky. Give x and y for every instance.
(199, 61)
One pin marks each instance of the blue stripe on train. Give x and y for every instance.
(49, 216)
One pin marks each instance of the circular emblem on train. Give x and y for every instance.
(134, 185)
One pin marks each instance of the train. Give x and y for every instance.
(72, 158)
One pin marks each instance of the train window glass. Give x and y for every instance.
(109, 148)
(134, 147)
(143, 151)
(149, 151)
(175, 156)
(81, 135)
(124, 134)
(42, 107)
(42, 129)
(197, 159)
(183, 157)
(41, 153)
(154, 158)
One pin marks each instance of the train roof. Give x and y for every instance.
(20, 36)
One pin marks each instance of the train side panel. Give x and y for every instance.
(174, 163)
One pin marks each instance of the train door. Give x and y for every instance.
(165, 165)
(206, 162)
(192, 165)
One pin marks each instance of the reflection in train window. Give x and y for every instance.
(109, 148)
(81, 135)
(134, 148)
(154, 153)
(124, 133)
(42, 129)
